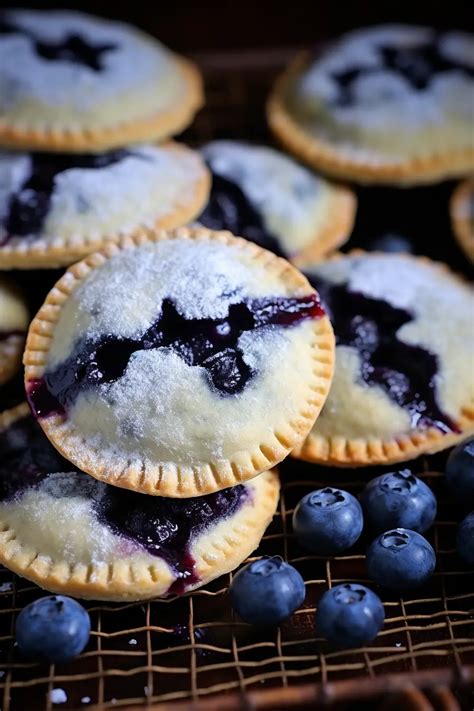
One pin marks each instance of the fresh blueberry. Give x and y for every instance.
(398, 500)
(54, 629)
(465, 539)
(349, 615)
(328, 521)
(460, 471)
(267, 591)
(400, 559)
(391, 242)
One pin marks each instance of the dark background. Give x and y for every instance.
(258, 24)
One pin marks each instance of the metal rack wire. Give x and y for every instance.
(192, 648)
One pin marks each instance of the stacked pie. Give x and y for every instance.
(87, 108)
(144, 463)
(166, 375)
(174, 365)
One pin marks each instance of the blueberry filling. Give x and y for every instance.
(166, 527)
(163, 527)
(209, 343)
(418, 65)
(26, 458)
(28, 207)
(229, 208)
(73, 48)
(406, 372)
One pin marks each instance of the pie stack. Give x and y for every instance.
(166, 376)
(166, 373)
(171, 369)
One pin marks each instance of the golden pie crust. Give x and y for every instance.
(305, 226)
(336, 230)
(341, 164)
(73, 139)
(271, 437)
(357, 451)
(131, 573)
(64, 250)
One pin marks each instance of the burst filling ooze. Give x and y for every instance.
(30, 471)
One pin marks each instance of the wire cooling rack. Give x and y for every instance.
(193, 649)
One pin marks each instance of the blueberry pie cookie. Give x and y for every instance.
(69, 533)
(268, 198)
(73, 82)
(462, 216)
(179, 363)
(387, 104)
(13, 327)
(404, 378)
(56, 208)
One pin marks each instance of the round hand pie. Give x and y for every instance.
(271, 200)
(179, 363)
(72, 534)
(462, 216)
(13, 326)
(387, 104)
(56, 208)
(73, 82)
(404, 378)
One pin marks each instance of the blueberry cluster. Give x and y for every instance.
(397, 508)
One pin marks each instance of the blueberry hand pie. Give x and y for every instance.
(13, 327)
(179, 363)
(72, 534)
(269, 199)
(56, 208)
(73, 82)
(388, 104)
(462, 216)
(404, 378)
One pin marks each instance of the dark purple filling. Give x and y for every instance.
(28, 207)
(230, 209)
(26, 458)
(74, 48)
(163, 527)
(209, 343)
(418, 65)
(406, 372)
